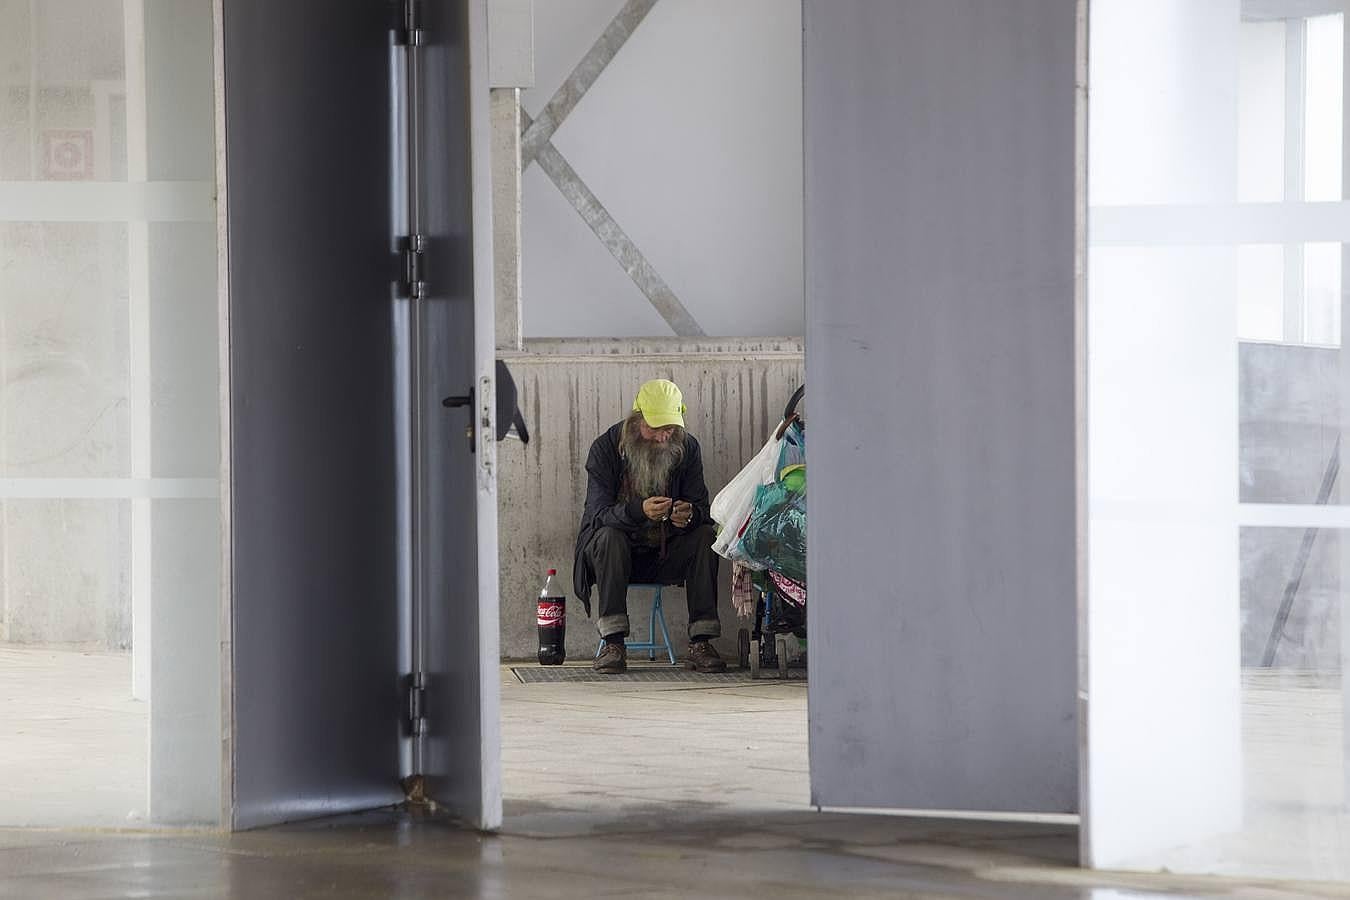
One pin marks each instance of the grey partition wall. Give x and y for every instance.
(316, 694)
(940, 253)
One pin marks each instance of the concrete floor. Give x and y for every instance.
(611, 789)
(613, 749)
(772, 855)
(73, 744)
(1295, 816)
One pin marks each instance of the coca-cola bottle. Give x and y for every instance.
(552, 619)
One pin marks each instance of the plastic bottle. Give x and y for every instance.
(552, 620)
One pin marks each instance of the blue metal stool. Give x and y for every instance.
(658, 618)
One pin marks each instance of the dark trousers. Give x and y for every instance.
(618, 562)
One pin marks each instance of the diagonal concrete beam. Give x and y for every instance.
(565, 99)
(615, 239)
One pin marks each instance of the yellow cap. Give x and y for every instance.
(660, 403)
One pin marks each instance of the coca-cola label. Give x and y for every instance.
(551, 613)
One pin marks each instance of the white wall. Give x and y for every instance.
(691, 138)
(1162, 690)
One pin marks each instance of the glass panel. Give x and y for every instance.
(1291, 599)
(1289, 400)
(1324, 81)
(63, 341)
(1261, 112)
(1322, 294)
(109, 422)
(1216, 384)
(75, 747)
(65, 91)
(1295, 817)
(1261, 292)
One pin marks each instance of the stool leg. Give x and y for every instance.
(665, 636)
(651, 625)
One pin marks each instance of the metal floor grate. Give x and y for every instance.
(653, 675)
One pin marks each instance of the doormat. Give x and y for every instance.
(654, 675)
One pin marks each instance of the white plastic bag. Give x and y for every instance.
(729, 541)
(734, 503)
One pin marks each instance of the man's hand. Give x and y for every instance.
(682, 513)
(656, 509)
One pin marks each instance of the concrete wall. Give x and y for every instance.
(1290, 419)
(734, 399)
(691, 139)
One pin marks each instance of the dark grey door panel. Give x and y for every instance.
(316, 693)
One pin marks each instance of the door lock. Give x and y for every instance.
(463, 400)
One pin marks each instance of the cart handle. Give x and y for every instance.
(790, 413)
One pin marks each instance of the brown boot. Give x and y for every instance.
(703, 658)
(613, 658)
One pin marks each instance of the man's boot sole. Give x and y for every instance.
(704, 670)
(611, 670)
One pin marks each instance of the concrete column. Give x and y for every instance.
(177, 355)
(510, 70)
(506, 215)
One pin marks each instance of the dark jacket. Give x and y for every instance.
(604, 471)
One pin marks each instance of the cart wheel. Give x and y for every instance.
(780, 644)
(768, 659)
(743, 648)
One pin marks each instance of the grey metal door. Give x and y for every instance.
(455, 481)
(316, 699)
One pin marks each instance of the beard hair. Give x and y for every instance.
(649, 463)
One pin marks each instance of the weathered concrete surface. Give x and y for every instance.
(506, 214)
(1289, 402)
(1289, 405)
(661, 346)
(733, 399)
(613, 790)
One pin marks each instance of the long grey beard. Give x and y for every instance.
(650, 464)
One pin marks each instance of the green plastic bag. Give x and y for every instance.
(776, 535)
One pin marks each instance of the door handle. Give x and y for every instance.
(508, 406)
(463, 400)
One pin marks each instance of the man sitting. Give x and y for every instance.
(646, 520)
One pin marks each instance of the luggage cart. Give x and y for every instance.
(780, 610)
(765, 646)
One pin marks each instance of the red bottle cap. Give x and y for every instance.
(553, 571)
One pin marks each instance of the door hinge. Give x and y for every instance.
(410, 250)
(407, 23)
(417, 703)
